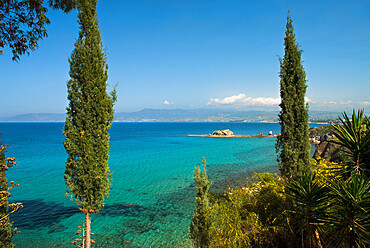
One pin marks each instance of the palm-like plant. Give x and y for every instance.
(311, 201)
(352, 197)
(354, 135)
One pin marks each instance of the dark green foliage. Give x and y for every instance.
(22, 23)
(311, 202)
(354, 135)
(64, 5)
(199, 228)
(293, 144)
(89, 115)
(89, 118)
(352, 218)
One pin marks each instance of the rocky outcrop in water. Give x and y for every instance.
(229, 134)
(226, 132)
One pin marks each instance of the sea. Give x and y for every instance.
(152, 194)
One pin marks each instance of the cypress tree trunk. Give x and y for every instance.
(89, 117)
(88, 230)
(293, 144)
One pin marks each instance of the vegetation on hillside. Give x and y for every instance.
(320, 131)
(329, 207)
(314, 203)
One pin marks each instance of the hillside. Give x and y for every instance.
(179, 115)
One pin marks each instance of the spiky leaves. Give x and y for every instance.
(311, 201)
(293, 143)
(353, 216)
(354, 135)
(199, 227)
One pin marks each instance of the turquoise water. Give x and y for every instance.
(152, 193)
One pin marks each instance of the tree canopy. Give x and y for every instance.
(23, 23)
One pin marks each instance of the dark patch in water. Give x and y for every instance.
(36, 214)
(111, 240)
(174, 143)
(57, 228)
(120, 209)
(136, 226)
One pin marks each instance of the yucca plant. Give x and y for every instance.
(352, 197)
(311, 201)
(353, 135)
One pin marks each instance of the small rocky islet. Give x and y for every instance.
(227, 133)
(320, 136)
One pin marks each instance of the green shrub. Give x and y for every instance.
(199, 228)
(251, 216)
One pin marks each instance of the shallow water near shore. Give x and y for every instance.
(152, 192)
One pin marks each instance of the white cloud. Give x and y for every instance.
(365, 103)
(227, 100)
(243, 100)
(345, 102)
(168, 103)
(307, 100)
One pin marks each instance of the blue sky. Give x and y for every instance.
(202, 54)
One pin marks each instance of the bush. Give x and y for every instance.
(251, 216)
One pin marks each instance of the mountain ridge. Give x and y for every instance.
(180, 115)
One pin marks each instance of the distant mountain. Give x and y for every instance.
(35, 117)
(195, 115)
(177, 115)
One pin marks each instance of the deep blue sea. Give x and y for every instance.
(152, 192)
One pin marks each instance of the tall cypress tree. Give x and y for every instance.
(89, 117)
(293, 144)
